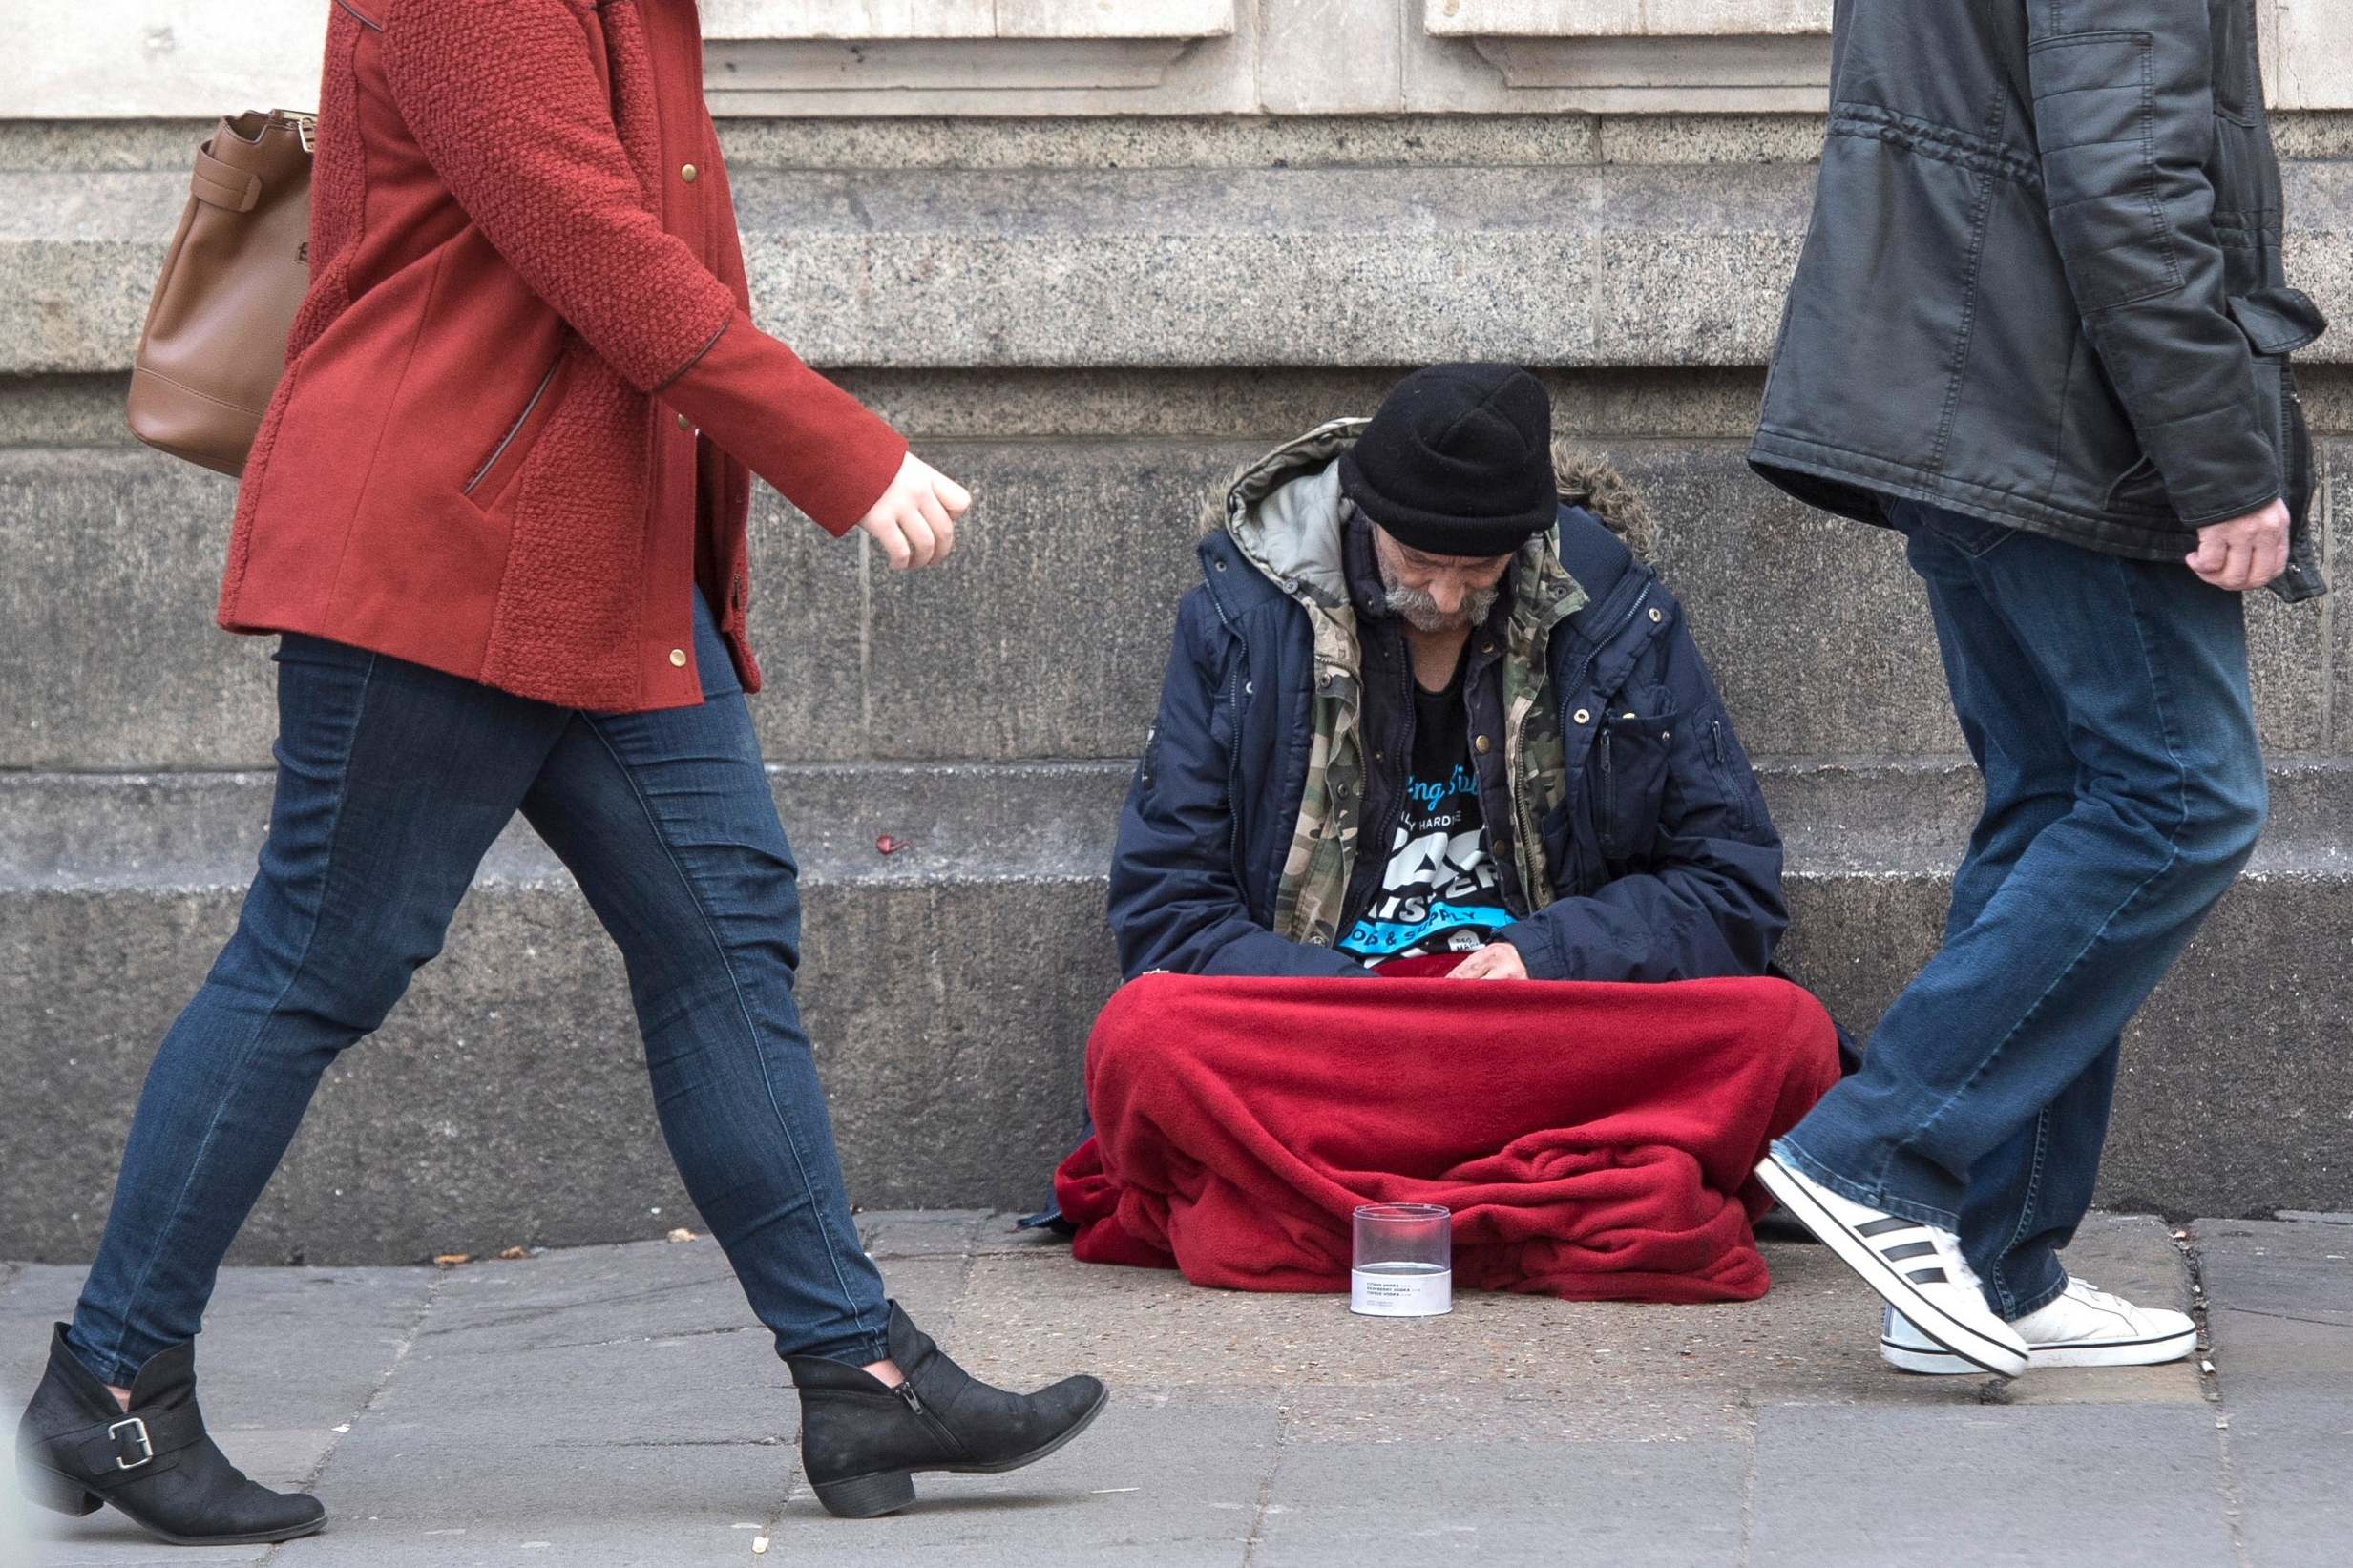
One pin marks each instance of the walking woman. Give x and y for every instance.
(496, 514)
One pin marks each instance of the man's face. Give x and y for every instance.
(1438, 592)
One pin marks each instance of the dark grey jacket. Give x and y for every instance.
(2043, 282)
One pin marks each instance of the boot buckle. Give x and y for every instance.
(138, 1429)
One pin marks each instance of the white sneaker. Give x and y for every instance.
(2084, 1326)
(1916, 1267)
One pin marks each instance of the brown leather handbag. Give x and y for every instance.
(215, 342)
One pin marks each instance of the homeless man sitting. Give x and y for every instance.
(1405, 735)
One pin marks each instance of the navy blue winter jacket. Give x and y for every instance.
(1666, 864)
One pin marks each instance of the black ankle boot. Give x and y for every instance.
(77, 1449)
(861, 1439)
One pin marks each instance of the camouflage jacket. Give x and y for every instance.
(1639, 846)
(1287, 516)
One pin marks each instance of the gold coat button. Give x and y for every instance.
(1481, 746)
(678, 658)
(686, 424)
(688, 173)
(1582, 717)
(1655, 616)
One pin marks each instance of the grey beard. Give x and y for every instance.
(1421, 612)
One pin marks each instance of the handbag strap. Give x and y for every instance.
(221, 184)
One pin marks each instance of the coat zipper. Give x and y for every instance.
(1396, 807)
(1610, 792)
(1234, 759)
(1568, 692)
(513, 430)
(1523, 815)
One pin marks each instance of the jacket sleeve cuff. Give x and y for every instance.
(1539, 955)
(823, 449)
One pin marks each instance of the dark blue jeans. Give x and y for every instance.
(392, 783)
(2105, 703)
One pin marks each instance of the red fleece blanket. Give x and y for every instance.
(1594, 1142)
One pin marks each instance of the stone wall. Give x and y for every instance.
(1090, 256)
(1029, 58)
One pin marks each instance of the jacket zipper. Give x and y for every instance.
(1396, 807)
(1234, 759)
(1609, 793)
(1523, 815)
(513, 430)
(1568, 692)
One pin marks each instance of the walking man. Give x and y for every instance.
(2041, 327)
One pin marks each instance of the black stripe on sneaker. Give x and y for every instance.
(1994, 1351)
(1894, 1222)
(1909, 1249)
(1928, 1276)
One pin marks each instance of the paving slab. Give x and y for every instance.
(1871, 1487)
(616, 1406)
(288, 1355)
(1547, 1368)
(1156, 1480)
(2280, 1307)
(1677, 1505)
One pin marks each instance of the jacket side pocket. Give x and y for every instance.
(2278, 322)
(504, 461)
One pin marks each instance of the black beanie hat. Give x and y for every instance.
(1457, 461)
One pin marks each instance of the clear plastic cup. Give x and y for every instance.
(1404, 1261)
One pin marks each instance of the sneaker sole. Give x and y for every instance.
(1899, 1292)
(2143, 1352)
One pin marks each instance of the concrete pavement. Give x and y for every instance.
(607, 1406)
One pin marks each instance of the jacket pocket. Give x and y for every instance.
(1631, 767)
(1737, 785)
(2233, 46)
(2278, 322)
(2139, 491)
(499, 466)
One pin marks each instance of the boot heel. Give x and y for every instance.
(59, 1493)
(869, 1496)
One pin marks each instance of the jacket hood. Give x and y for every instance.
(1283, 511)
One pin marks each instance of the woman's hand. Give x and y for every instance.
(1496, 961)
(914, 522)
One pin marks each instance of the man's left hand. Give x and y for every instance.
(1496, 961)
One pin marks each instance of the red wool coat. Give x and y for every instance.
(524, 396)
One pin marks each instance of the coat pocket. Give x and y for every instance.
(1630, 764)
(2139, 491)
(497, 469)
(2278, 322)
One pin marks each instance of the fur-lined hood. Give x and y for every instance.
(1277, 508)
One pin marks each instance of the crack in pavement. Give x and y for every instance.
(1266, 1488)
(532, 1314)
(384, 1379)
(634, 1339)
(2289, 1317)
(2229, 1493)
(673, 1442)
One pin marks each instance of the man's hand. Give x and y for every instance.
(2244, 552)
(1496, 961)
(914, 522)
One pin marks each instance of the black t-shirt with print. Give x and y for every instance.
(1440, 893)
